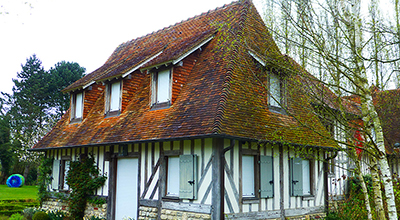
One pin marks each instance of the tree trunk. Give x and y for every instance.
(362, 183)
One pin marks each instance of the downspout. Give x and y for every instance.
(326, 193)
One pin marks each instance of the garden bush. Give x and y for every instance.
(41, 216)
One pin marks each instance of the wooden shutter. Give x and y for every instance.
(266, 177)
(56, 175)
(188, 176)
(296, 173)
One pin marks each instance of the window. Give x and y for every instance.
(248, 177)
(113, 98)
(161, 94)
(76, 106)
(172, 176)
(300, 173)
(60, 172)
(182, 177)
(275, 98)
(252, 176)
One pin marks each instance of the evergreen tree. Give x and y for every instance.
(63, 74)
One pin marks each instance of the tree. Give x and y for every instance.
(348, 53)
(63, 74)
(36, 104)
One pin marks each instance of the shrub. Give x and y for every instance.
(41, 216)
(29, 212)
(16, 216)
(57, 215)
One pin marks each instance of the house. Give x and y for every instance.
(387, 105)
(197, 120)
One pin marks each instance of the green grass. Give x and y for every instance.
(21, 193)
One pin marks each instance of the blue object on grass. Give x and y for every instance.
(15, 180)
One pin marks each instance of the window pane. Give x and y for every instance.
(66, 169)
(306, 177)
(275, 90)
(78, 105)
(114, 96)
(248, 175)
(163, 86)
(173, 176)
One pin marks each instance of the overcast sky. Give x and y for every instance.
(82, 31)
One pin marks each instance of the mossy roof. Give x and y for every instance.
(224, 94)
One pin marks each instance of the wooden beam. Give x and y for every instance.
(217, 196)
(281, 185)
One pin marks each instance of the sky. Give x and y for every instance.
(82, 31)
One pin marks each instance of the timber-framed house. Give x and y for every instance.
(194, 121)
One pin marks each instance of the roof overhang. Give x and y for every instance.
(193, 137)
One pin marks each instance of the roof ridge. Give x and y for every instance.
(220, 113)
(177, 23)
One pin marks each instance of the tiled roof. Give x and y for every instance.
(387, 104)
(216, 91)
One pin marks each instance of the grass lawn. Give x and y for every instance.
(24, 192)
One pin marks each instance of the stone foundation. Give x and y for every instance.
(150, 213)
(307, 217)
(99, 211)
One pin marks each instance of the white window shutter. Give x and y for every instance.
(163, 84)
(66, 169)
(115, 94)
(56, 175)
(78, 105)
(306, 177)
(248, 176)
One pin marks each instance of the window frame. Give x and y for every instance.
(74, 117)
(155, 103)
(109, 96)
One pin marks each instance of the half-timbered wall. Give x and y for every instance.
(60, 155)
(153, 161)
(239, 206)
(152, 177)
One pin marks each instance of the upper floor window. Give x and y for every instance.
(113, 98)
(76, 106)
(276, 94)
(161, 89)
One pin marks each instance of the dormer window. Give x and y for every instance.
(76, 106)
(276, 94)
(113, 98)
(161, 89)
